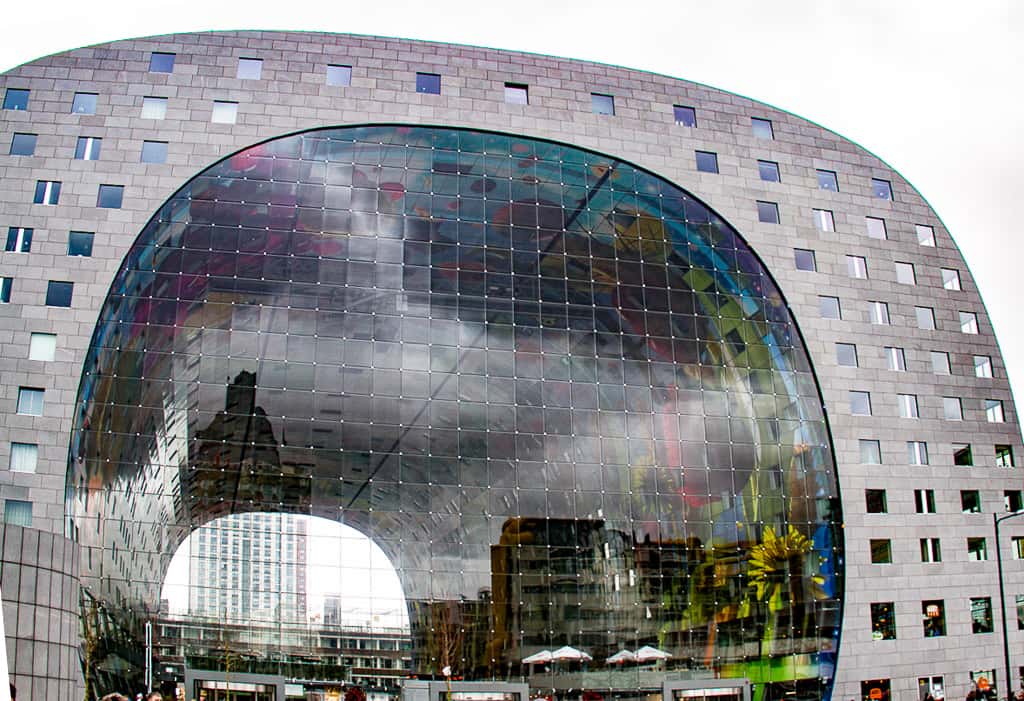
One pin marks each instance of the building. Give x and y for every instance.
(600, 359)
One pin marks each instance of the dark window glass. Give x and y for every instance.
(110, 196)
(428, 83)
(16, 99)
(23, 144)
(883, 621)
(684, 116)
(970, 501)
(6, 283)
(881, 188)
(47, 192)
(827, 180)
(84, 103)
(1020, 611)
(768, 212)
(875, 690)
(881, 551)
(602, 104)
(981, 615)
(58, 294)
(160, 62)
(19, 239)
(962, 454)
(707, 162)
(88, 148)
(517, 93)
(1004, 456)
(933, 615)
(977, 549)
(769, 171)
(875, 499)
(924, 501)
(762, 128)
(804, 259)
(80, 243)
(154, 152)
(339, 75)
(1013, 500)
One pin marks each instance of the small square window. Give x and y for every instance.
(602, 104)
(429, 83)
(846, 354)
(80, 243)
(879, 313)
(940, 362)
(23, 144)
(24, 457)
(933, 616)
(950, 279)
(1013, 500)
(881, 551)
(517, 94)
(881, 189)
(962, 455)
(1017, 544)
(977, 550)
(110, 196)
(857, 267)
(827, 180)
(42, 346)
(224, 112)
(84, 103)
(767, 212)
(860, 403)
(762, 128)
(968, 322)
(925, 318)
(1004, 456)
(952, 409)
(970, 501)
(875, 499)
(769, 171)
(707, 162)
(154, 152)
(19, 239)
(917, 453)
(994, 411)
(684, 116)
(339, 75)
(249, 68)
(982, 366)
(30, 401)
(16, 99)
(88, 148)
(895, 359)
(823, 220)
(931, 550)
(905, 274)
(829, 307)
(154, 107)
(47, 192)
(6, 283)
(883, 621)
(1020, 612)
(981, 615)
(58, 293)
(870, 452)
(804, 259)
(875, 227)
(924, 501)
(18, 512)
(925, 235)
(908, 406)
(160, 62)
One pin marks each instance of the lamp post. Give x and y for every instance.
(996, 520)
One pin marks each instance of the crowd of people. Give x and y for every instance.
(152, 696)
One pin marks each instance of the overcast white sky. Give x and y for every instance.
(933, 87)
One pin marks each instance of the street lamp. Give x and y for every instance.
(996, 520)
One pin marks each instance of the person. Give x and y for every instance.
(115, 697)
(155, 696)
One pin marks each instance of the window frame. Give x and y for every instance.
(895, 358)
(85, 103)
(158, 62)
(859, 399)
(762, 128)
(690, 116)
(770, 167)
(768, 212)
(706, 161)
(833, 181)
(517, 93)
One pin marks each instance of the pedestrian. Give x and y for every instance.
(115, 697)
(155, 696)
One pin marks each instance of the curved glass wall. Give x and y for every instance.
(560, 394)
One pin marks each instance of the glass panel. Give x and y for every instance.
(339, 75)
(602, 104)
(762, 128)
(827, 180)
(84, 103)
(161, 62)
(428, 83)
(517, 94)
(684, 116)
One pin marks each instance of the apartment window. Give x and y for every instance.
(962, 454)
(1004, 456)
(1017, 546)
(950, 279)
(875, 499)
(925, 318)
(154, 152)
(905, 274)
(934, 618)
(981, 615)
(881, 551)
(883, 621)
(1013, 500)
(875, 227)
(161, 62)
(970, 501)
(870, 452)
(18, 512)
(23, 144)
(47, 192)
(5, 289)
(684, 116)
(154, 107)
(42, 346)
(339, 75)
(829, 307)
(84, 103)
(1020, 613)
(895, 359)
(994, 411)
(769, 171)
(875, 689)
(19, 239)
(24, 457)
(827, 180)
(110, 196)
(249, 68)
(908, 406)
(952, 409)
(977, 550)
(762, 128)
(917, 453)
(707, 162)
(88, 148)
(925, 235)
(940, 362)
(30, 401)
(80, 243)
(931, 551)
(846, 354)
(16, 99)
(933, 686)
(823, 220)
(58, 293)
(767, 212)
(517, 93)
(882, 189)
(982, 366)
(879, 312)
(428, 83)
(968, 322)
(857, 267)
(924, 501)
(804, 259)
(224, 112)
(860, 403)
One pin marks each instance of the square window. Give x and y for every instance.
(58, 294)
(827, 180)
(769, 171)
(924, 501)
(908, 406)
(917, 453)
(80, 243)
(925, 318)
(1017, 544)
(905, 274)
(870, 452)
(24, 457)
(517, 94)
(925, 235)
(875, 227)
(110, 196)
(881, 189)
(16, 99)
(1004, 456)
(846, 354)
(23, 144)
(933, 615)
(154, 107)
(875, 500)
(1020, 612)
(19, 239)
(804, 259)
(952, 409)
(896, 359)
(84, 103)
(950, 279)
(940, 362)
(18, 512)
(767, 212)
(968, 322)
(881, 551)
(684, 116)
(707, 162)
(994, 411)
(883, 621)
(42, 346)
(962, 454)
(931, 551)
(6, 283)
(154, 152)
(823, 220)
(857, 267)
(47, 192)
(249, 68)
(982, 366)
(829, 307)
(88, 148)
(339, 75)
(224, 112)
(981, 615)
(429, 83)
(30, 401)
(161, 62)
(977, 550)
(970, 501)
(875, 689)
(762, 128)
(1013, 500)
(860, 403)
(879, 312)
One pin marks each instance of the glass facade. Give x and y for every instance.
(562, 396)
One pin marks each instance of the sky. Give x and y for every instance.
(933, 87)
